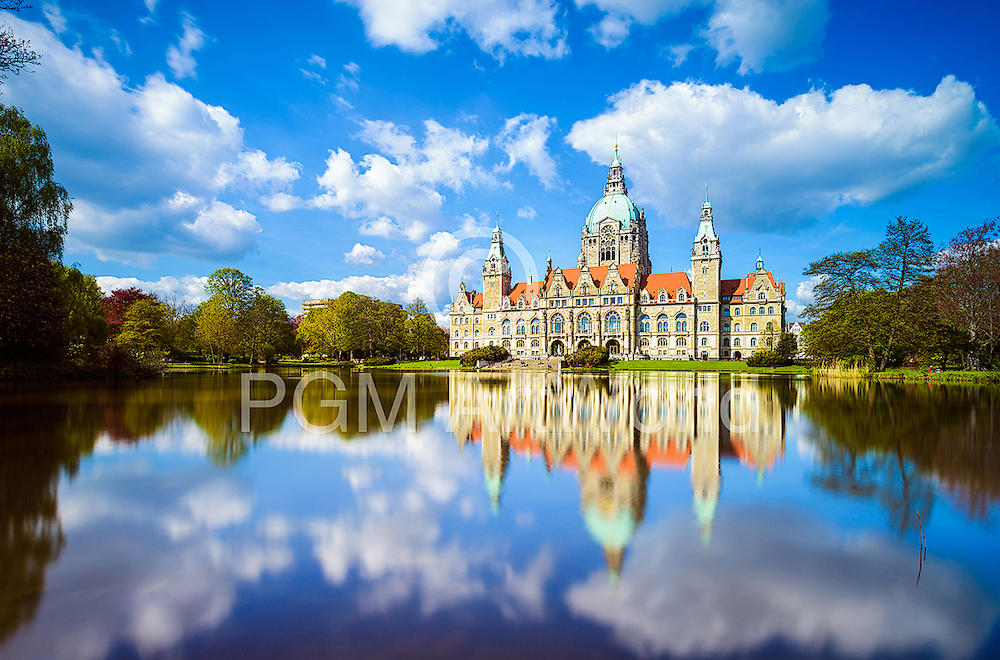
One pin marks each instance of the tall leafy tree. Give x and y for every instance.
(34, 210)
(904, 257)
(267, 331)
(145, 328)
(840, 274)
(968, 288)
(83, 307)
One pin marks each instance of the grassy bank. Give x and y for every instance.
(724, 367)
(424, 365)
(910, 375)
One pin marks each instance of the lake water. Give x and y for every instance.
(503, 515)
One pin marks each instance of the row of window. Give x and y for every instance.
(751, 311)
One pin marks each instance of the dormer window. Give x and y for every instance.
(663, 296)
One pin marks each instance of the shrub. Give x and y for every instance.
(768, 358)
(487, 353)
(588, 356)
(379, 361)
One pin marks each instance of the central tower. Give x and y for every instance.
(615, 231)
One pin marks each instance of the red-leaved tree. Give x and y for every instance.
(117, 303)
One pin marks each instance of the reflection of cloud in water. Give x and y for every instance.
(163, 573)
(783, 577)
(401, 554)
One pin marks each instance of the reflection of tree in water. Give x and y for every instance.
(430, 391)
(35, 449)
(892, 442)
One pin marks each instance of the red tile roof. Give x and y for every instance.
(529, 290)
(741, 286)
(598, 273)
(669, 281)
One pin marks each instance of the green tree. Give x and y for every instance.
(235, 288)
(423, 337)
(83, 304)
(145, 328)
(840, 274)
(904, 257)
(216, 328)
(317, 332)
(34, 210)
(267, 328)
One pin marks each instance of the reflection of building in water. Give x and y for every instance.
(612, 431)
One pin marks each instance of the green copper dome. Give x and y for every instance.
(616, 206)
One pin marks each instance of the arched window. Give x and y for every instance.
(519, 343)
(645, 296)
(456, 332)
(644, 323)
(753, 341)
(761, 296)
(521, 328)
(681, 295)
(753, 327)
(682, 325)
(704, 341)
(681, 341)
(505, 328)
(534, 326)
(466, 332)
(704, 269)
(506, 344)
(466, 344)
(737, 327)
(476, 332)
(736, 311)
(492, 332)
(583, 323)
(663, 296)
(725, 327)
(753, 310)
(662, 323)
(534, 343)
(704, 326)
(736, 342)
(769, 342)
(556, 324)
(520, 303)
(662, 341)
(769, 327)
(613, 323)
(725, 341)
(761, 311)
(643, 343)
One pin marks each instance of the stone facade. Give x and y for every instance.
(614, 299)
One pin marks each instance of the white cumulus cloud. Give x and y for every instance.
(142, 159)
(781, 162)
(498, 27)
(364, 254)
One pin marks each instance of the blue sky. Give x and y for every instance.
(368, 145)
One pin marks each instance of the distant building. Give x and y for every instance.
(613, 298)
(796, 328)
(315, 304)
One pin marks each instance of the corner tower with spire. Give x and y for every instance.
(496, 272)
(706, 257)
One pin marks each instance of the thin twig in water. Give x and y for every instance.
(923, 547)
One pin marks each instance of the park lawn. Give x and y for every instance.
(727, 367)
(424, 365)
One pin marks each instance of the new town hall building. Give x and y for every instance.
(613, 297)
